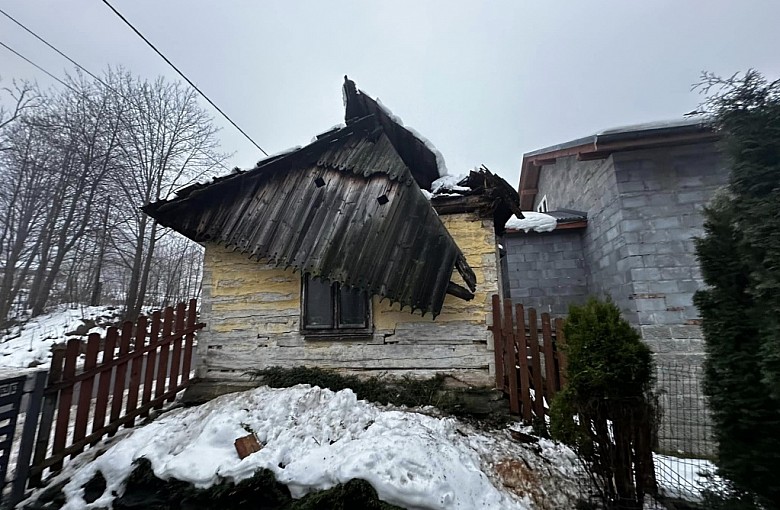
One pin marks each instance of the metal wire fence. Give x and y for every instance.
(686, 446)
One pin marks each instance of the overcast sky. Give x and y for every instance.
(485, 81)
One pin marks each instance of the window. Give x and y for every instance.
(542, 207)
(331, 307)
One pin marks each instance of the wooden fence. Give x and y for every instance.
(530, 372)
(141, 366)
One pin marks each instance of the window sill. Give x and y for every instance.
(338, 334)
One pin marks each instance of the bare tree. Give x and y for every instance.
(78, 167)
(83, 127)
(167, 141)
(22, 96)
(22, 199)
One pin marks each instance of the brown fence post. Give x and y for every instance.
(549, 359)
(510, 359)
(536, 366)
(121, 373)
(66, 399)
(173, 380)
(104, 385)
(135, 369)
(151, 359)
(85, 391)
(162, 366)
(497, 342)
(522, 354)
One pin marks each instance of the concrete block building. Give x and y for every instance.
(631, 202)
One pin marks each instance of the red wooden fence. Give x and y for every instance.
(529, 372)
(161, 364)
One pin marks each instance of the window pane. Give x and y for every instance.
(319, 304)
(352, 308)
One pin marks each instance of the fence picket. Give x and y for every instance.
(162, 365)
(549, 359)
(135, 369)
(173, 380)
(510, 360)
(101, 404)
(151, 360)
(536, 367)
(66, 399)
(121, 372)
(522, 354)
(85, 390)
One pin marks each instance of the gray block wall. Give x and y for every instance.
(662, 194)
(591, 186)
(546, 271)
(644, 209)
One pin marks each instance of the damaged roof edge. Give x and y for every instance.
(412, 265)
(414, 152)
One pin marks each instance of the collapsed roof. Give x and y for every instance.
(347, 208)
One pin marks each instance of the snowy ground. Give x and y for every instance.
(314, 439)
(30, 345)
(684, 478)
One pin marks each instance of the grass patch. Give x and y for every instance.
(402, 391)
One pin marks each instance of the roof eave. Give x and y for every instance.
(601, 147)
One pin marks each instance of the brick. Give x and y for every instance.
(650, 304)
(663, 286)
(656, 332)
(646, 274)
(674, 273)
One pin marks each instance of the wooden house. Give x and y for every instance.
(336, 255)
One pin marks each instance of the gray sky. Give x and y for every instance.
(484, 81)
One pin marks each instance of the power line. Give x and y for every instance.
(79, 66)
(183, 75)
(35, 65)
(44, 41)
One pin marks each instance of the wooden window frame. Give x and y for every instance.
(543, 206)
(328, 332)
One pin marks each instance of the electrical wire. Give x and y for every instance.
(183, 75)
(44, 41)
(79, 66)
(4, 45)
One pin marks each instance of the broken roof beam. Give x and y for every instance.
(459, 291)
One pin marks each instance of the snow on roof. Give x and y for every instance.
(533, 221)
(691, 122)
(442, 167)
(659, 124)
(314, 439)
(448, 183)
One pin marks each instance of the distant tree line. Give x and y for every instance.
(76, 164)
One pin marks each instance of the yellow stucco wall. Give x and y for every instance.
(252, 312)
(476, 240)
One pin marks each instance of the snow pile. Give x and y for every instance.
(30, 345)
(439, 157)
(448, 183)
(538, 222)
(314, 439)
